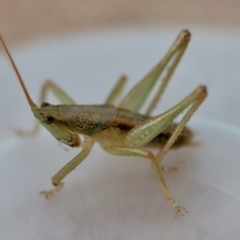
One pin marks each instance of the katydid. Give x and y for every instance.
(119, 128)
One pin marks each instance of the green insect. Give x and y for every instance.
(119, 128)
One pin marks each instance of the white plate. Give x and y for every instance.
(110, 197)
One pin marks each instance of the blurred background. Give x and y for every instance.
(22, 20)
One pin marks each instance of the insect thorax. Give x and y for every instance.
(88, 119)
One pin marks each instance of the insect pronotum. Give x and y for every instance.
(119, 127)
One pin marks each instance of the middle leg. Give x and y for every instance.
(140, 152)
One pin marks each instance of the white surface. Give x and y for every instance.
(110, 197)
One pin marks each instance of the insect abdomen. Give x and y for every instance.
(184, 137)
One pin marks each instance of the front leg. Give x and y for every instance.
(70, 166)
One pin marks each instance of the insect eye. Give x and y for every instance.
(44, 104)
(49, 120)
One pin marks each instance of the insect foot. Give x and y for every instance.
(180, 210)
(173, 169)
(50, 193)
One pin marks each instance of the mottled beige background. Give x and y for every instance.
(22, 20)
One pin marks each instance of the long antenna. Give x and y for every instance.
(30, 101)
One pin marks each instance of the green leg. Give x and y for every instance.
(169, 74)
(143, 133)
(199, 94)
(70, 166)
(140, 152)
(137, 96)
(61, 95)
(115, 93)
